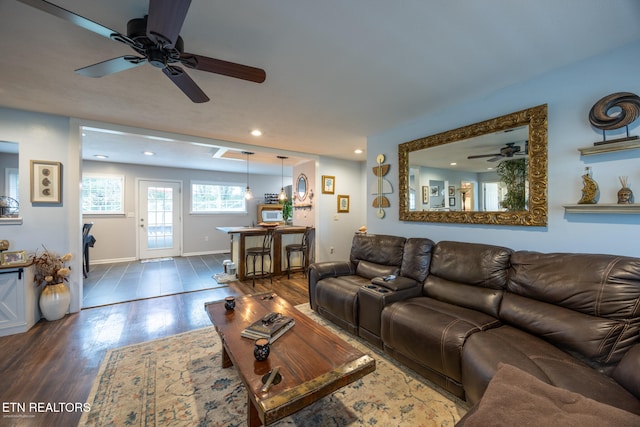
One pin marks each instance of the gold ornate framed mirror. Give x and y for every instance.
(491, 172)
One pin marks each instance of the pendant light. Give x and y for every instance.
(247, 193)
(283, 195)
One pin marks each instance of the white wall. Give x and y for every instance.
(336, 229)
(570, 93)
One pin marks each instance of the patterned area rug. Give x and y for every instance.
(178, 381)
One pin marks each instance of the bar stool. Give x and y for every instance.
(261, 251)
(303, 248)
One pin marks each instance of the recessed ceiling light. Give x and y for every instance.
(358, 151)
(256, 132)
(148, 153)
(452, 164)
(100, 156)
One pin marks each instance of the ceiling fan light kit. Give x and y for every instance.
(155, 38)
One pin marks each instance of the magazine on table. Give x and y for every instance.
(271, 326)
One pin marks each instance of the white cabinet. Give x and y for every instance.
(18, 300)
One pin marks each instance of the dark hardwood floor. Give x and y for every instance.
(58, 361)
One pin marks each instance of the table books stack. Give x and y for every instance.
(271, 326)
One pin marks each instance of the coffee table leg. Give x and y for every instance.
(253, 420)
(226, 360)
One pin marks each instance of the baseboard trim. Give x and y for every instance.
(111, 261)
(131, 259)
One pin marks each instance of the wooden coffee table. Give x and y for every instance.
(313, 361)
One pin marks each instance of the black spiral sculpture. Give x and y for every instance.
(629, 104)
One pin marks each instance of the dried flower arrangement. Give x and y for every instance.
(50, 268)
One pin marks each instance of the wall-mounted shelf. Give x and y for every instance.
(303, 206)
(610, 147)
(604, 208)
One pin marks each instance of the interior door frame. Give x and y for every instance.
(180, 222)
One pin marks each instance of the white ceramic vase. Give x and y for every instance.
(54, 301)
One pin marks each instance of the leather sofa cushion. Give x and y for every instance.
(370, 270)
(416, 258)
(598, 285)
(471, 263)
(483, 351)
(478, 298)
(437, 342)
(605, 288)
(377, 248)
(339, 297)
(596, 338)
(627, 372)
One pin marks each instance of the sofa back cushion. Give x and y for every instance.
(378, 249)
(583, 302)
(470, 275)
(417, 258)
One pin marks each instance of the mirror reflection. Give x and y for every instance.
(492, 172)
(9, 196)
(485, 173)
(301, 187)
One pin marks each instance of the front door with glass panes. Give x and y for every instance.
(159, 218)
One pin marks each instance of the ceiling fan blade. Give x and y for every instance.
(218, 66)
(484, 155)
(75, 19)
(111, 66)
(165, 20)
(185, 84)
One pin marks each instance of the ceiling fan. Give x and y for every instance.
(509, 150)
(156, 40)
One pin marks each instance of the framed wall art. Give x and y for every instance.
(425, 194)
(452, 201)
(343, 203)
(328, 184)
(46, 182)
(11, 258)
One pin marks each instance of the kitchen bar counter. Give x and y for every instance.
(243, 237)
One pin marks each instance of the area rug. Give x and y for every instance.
(179, 381)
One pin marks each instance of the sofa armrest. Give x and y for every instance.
(627, 373)
(397, 284)
(322, 270)
(325, 269)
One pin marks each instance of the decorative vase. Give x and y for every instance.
(261, 349)
(625, 196)
(54, 301)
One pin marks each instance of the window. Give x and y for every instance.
(102, 194)
(208, 197)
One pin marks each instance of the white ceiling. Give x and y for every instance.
(337, 71)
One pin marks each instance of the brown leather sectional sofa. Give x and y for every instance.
(456, 310)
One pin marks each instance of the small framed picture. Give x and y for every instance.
(343, 203)
(452, 191)
(328, 184)
(11, 258)
(46, 180)
(452, 201)
(425, 195)
(435, 190)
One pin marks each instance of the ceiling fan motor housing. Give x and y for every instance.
(157, 55)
